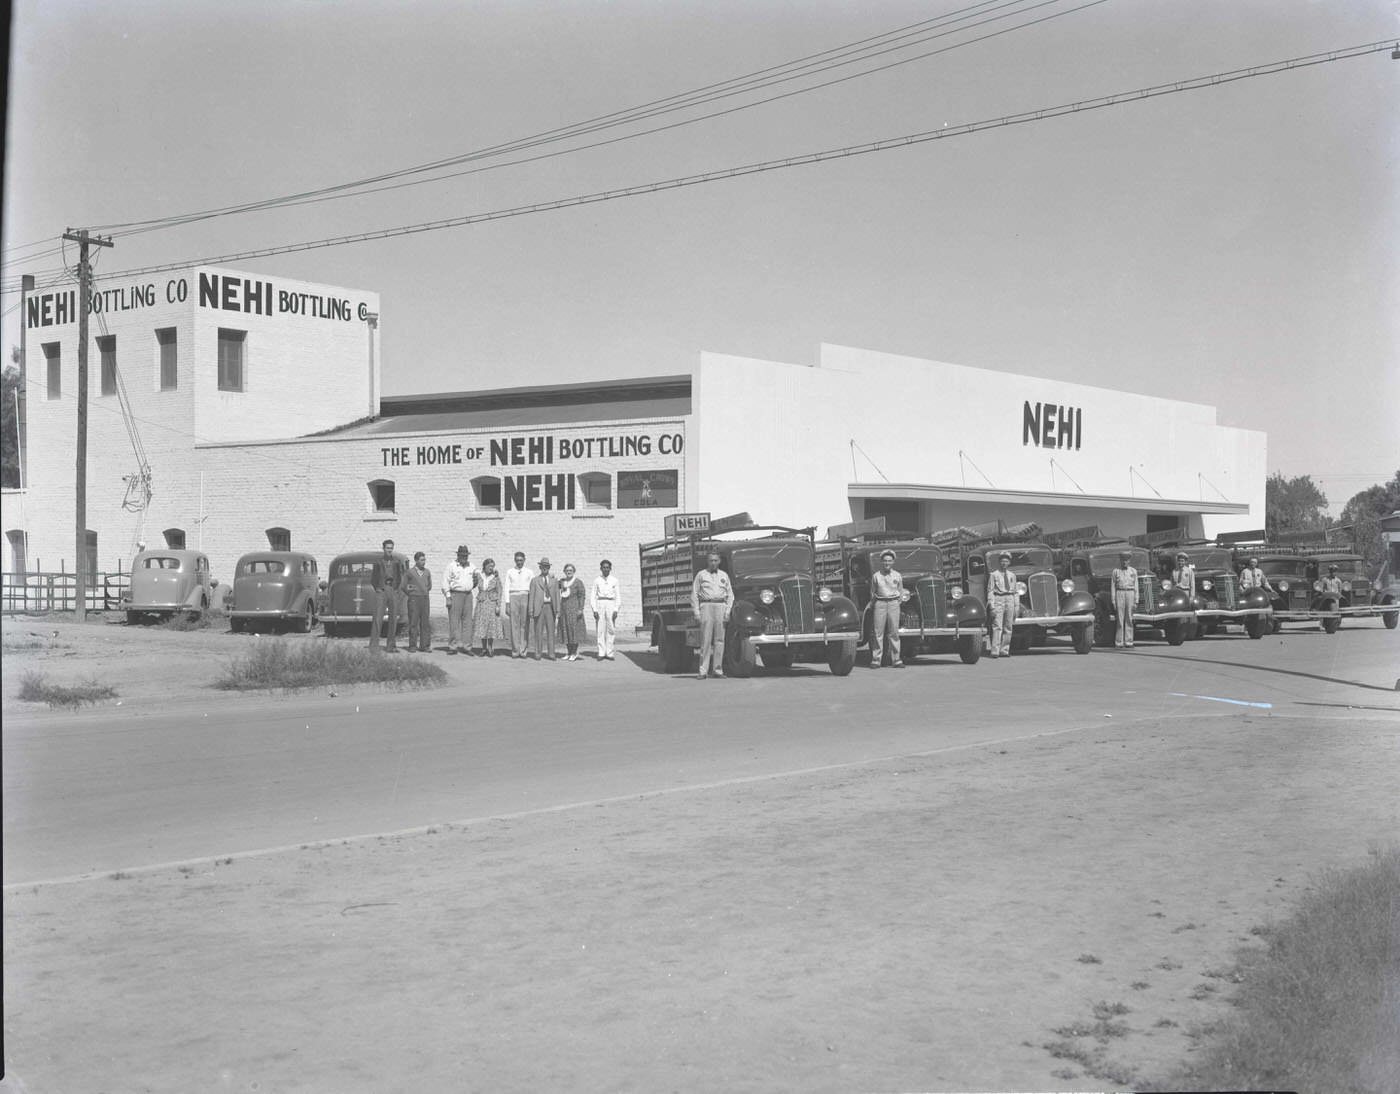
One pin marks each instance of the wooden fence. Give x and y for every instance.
(58, 592)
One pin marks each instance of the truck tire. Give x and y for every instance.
(970, 648)
(1256, 625)
(1084, 638)
(1175, 631)
(841, 657)
(1390, 619)
(1103, 629)
(1331, 625)
(740, 655)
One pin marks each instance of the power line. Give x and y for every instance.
(964, 129)
(738, 85)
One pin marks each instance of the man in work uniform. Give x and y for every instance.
(1001, 593)
(517, 605)
(1184, 576)
(542, 603)
(457, 586)
(1125, 582)
(711, 598)
(1251, 577)
(887, 593)
(1332, 586)
(387, 579)
(418, 584)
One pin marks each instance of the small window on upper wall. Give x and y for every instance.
(53, 358)
(487, 490)
(279, 539)
(381, 496)
(174, 538)
(168, 356)
(231, 359)
(107, 350)
(596, 488)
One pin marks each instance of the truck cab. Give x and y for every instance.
(1049, 602)
(1160, 605)
(1357, 592)
(937, 616)
(1219, 600)
(1290, 591)
(781, 614)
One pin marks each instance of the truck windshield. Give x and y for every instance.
(1346, 567)
(1281, 567)
(1022, 558)
(1209, 560)
(264, 566)
(1105, 562)
(785, 559)
(912, 560)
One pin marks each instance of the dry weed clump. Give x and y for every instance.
(34, 687)
(279, 664)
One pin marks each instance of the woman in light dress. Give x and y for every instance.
(486, 618)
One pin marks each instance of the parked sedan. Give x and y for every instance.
(349, 596)
(165, 583)
(274, 587)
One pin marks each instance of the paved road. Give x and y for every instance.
(111, 789)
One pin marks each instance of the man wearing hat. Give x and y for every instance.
(1003, 598)
(1125, 581)
(1184, 576)
(457, 586)
(543, 606)
(1251, 577)
(1332, 585)
(887, 593)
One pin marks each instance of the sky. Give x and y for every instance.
(1237, 246)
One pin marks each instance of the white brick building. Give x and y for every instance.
(257, 403)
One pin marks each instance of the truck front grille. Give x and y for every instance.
(1044, 595)
(799, 604)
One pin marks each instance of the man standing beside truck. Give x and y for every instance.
(887, 591)
(1001, 592)
(711, 598)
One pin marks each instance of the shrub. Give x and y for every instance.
(280, 664)
(34, 687)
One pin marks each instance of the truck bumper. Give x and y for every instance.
(1145, 620)
(1052, 620)
(798, 639)
(1232, 613)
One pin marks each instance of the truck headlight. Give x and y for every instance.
(1346, 586)
(1166, 586)
(1317, 586)
(824, 595)
(1066, 586)
(1283, 586)
(904, 595)
(1021, 588)
(767, 596)
(1207, 584)
(956, 591)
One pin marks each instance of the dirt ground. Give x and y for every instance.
(932, 923)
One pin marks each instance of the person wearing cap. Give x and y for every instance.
(1125, 583)
(605, 600)
(1251, 577)
(711, 599)
(1001, 592)
(458, 584)
(886, 595)
(418, 584)
(1332, 585)
(543, 605)
(1184, 576)
(517, 613)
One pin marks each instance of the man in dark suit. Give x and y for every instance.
(387, 578)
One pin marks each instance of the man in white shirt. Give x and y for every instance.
(1251, 577)
(604, 600)
(711, 599)
(1184, 576)
(1003, 600)
(457, 585)
(518, 579)
(1125, 581)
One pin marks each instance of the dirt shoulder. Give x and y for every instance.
(932, 923)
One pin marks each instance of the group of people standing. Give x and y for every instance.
(530, 613)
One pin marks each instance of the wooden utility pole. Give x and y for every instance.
(83, 240)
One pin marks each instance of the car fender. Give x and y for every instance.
(968, 611)
(744, 616)
(1078, 602)
(1176, 600)
(841, 615)
(1255, 600)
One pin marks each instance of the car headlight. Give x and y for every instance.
(1317, 586)
(1166, 586)
(1207, 584)
(1066, 586)
(1283, 586)
(904, 595)
(956, 591)
(1021, 588)
(824, 595)
(1346, 586)
(767, 596)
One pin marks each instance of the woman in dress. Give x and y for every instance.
(572, 602)
(486, 619)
